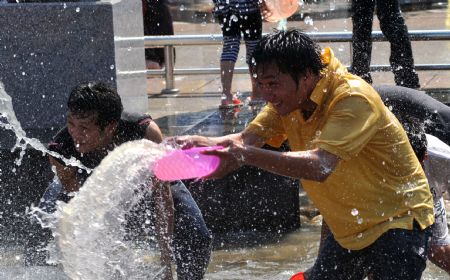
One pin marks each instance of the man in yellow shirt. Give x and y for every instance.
(349, 151)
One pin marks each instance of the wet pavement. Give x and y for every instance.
(199, 95)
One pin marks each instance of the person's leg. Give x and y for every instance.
(400, 254)
(226, 78)
(394, 28)
(252, 29)
(439, 252)
(362, 18)
(230, 51)
(336, 262)
(192, 239)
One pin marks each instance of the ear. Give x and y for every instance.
(111, 127)
(308, 74)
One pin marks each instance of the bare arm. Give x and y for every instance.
(164, 224)
(67, 175)
(243, 138)
(314, 165)
(153, 133)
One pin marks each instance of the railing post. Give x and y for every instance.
(350, 49)
(170, 62)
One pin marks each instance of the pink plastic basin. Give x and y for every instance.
(186, 164)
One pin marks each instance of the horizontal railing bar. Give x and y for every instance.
(216, 39)
(244, 70)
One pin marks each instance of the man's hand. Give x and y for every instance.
(265, 12)
(67, 175)
(231, 158)
(190, 141)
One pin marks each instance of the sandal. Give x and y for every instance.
(235, 103)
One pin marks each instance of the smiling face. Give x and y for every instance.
(280, 89)
(87, 134)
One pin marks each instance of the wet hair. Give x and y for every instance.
(416, 136)
(96, 98)
(293, 51)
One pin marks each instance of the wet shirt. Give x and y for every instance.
(242, 7)
(378, 184)
(129, 128)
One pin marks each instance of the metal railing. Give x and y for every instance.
(169, 42)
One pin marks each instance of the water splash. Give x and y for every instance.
(282, 24)
(8, 120)
(89, 230)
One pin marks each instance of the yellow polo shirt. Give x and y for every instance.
(378, 184)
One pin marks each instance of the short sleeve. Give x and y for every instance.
(351, 124)
(268, 124)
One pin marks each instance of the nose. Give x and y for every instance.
(267, 95)
(264, 92)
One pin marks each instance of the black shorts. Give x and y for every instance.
(249, 25)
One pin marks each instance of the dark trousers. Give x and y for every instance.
(394, 28)
(397, 254)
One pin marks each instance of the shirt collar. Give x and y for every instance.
(321, 89)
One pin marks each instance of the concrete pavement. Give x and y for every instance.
(199, 96)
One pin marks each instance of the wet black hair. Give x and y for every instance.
(416, 136)
(96, 97)
(293, 51)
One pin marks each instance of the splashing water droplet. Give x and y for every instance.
(332, 6)
(308, 21)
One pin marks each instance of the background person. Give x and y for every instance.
(359, 170)
(236, 18)
(157, 21)
(394, 28)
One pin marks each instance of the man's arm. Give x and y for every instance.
(314, 165)
(67, 175)
(164, 223)
(243, 138)
(153, 133)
